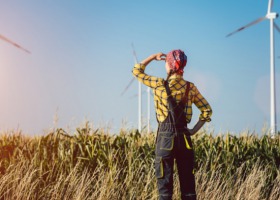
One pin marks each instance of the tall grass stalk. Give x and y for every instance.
(92, 164)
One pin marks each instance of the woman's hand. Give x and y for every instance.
(157, 56)
(160, 56)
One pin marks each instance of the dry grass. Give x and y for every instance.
(91, 164)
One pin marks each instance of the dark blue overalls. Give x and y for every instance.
(174, 142)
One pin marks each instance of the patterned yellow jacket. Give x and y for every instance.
(178, 88)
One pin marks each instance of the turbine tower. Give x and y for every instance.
(270, 16)
(13, 43)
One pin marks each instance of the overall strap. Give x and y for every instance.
(172, 103)
(170, 99)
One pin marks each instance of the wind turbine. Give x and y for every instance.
(139, 93)
(13, 43)
(271, 16)
(140, 98)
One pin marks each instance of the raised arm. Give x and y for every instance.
(157, 56)
(139, 70)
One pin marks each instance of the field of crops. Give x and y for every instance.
(94, 164)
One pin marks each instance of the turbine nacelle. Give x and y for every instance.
(272, 15)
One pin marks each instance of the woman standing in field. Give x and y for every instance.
(173, 100)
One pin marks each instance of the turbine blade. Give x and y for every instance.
(277, 27)
(136, 95)
(129, 84)
(136, 61)
(13, 43)
(134, 54)
(270, 4)
(246, 26)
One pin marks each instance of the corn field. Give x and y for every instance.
(96, 165)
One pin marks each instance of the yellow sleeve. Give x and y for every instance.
(203, 105)
(151, 81)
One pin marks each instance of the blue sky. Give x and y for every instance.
(82, 59)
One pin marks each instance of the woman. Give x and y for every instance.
(173, 100)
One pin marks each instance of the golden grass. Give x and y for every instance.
(92, 164)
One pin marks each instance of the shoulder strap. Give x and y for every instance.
(172, 103)
(171, 99)
(167, 88)
(169, 96)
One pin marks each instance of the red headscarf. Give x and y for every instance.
(176, 60)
